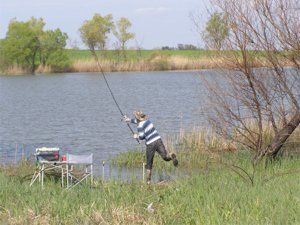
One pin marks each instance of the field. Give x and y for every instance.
(216, 195)
(215, 188)
(137, 55)
(154, 60)
(143, 60)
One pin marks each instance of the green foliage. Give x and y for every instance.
(21, 44)
(3, 61)
(216, 31)
(27, 44)
(52, 42)
(121, 32)
(94, 32)
(59, 61)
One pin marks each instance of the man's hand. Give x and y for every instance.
(135, 136)
(126, 119)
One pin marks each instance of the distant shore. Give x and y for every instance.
(90, 65)
(138, 61)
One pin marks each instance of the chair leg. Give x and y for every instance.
(35, 177)
(62, 176)
(71, 169)
(86, 172)
(67, 176)
(80, 181)
(73, 181)
(40, 173)
(43, 173)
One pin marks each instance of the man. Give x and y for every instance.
(147, 132)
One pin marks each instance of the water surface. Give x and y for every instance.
(76, 112)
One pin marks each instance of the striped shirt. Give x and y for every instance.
(146, 131)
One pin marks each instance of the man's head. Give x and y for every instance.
(139, 115)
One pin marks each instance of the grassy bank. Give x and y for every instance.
(198, 147)
(221, 188)
(214, 196)
(216, 184)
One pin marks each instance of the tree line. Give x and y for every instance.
(181, 47)
(28, 45)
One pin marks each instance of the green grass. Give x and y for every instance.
(135, 158)
(213, 196)
(135, 55)
(212, 185)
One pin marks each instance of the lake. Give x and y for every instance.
(76, 112)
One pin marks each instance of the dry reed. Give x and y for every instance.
(16, 70)
(155, 64)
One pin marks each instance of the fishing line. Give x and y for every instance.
(112, 94)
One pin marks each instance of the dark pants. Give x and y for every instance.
(156, 146)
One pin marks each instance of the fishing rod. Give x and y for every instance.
(111, 93)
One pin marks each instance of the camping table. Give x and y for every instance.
(66, 168)
(48, 166)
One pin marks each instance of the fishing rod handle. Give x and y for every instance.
(138, 140)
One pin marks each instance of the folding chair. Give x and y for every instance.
(73, 178)
(47, 160)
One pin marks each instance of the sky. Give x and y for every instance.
(156, 23)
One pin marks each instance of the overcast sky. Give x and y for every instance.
(156, 22)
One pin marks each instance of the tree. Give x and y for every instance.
(27, 44)
(21, 44)
(216, 31)
(167, 48)
(58, 61)
(3, 61)
(121, 32)
(51, 42)
(94, 32)
(250, 104)
(186, 47)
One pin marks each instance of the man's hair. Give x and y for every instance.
(139, 115)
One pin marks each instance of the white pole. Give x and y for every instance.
(62, 175)
(143, 172)
(92, 174)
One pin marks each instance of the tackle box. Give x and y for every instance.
(47, 154)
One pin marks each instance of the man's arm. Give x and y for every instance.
(134, 121)
(128, 120)
(141, 133)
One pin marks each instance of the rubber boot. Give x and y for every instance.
(148, 176)
(174, 159)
